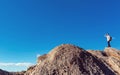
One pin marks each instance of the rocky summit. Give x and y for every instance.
(68, 59)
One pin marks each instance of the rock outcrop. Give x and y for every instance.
(111, 57)
(68, 59)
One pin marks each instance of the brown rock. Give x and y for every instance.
(71, 60)
(113, 59)
(30, 70)
(110, 57)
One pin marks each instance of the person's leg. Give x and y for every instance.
(109, 44)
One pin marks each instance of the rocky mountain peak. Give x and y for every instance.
(68, 59)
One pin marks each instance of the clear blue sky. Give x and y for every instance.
(31, 27)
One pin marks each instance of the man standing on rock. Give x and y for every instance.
(109, 38)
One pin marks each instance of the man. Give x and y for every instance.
(109, 38)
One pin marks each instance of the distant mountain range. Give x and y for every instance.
(68, 59)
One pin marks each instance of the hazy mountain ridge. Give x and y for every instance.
(68, 59)
(2, 72)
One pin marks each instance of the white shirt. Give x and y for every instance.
(108, 37)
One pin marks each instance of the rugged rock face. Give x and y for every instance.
(17, 73)
(111, 57)
(71, 60)
(30, 70)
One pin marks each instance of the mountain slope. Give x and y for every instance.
(70, 60)
(111, 57)
(2, 72)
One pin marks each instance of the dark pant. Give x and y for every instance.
(109, 44)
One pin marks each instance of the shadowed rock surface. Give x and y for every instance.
(68, 59)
